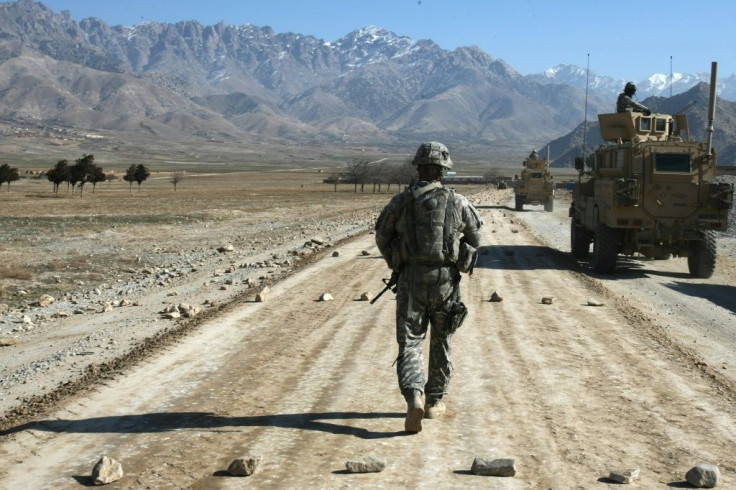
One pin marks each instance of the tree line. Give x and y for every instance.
(84, 170)
(362, 172)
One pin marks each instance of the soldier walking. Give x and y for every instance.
(428, 235)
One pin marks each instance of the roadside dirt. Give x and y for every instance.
(569, 391)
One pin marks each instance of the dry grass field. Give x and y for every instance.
(50, 243)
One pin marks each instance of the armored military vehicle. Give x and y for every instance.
(652, 191)
(535, 185)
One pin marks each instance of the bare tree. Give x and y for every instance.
(377, 174)
(404, 173)
(336, 176)
(177, 178)
(358, 173)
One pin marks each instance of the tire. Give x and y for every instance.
(549, 205)
(605, 249)
(519, 203)
(702, 260)
(579, 240)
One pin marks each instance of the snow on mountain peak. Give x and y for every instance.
(372, 44)
(656, 84)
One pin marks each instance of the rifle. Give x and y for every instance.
(391, 284)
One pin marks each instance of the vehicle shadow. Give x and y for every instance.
(719, 294)
(673, 275)
(626, 268)
(632, 268)
(170, 421)
(522, 257)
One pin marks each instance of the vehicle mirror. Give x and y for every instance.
(579, 165)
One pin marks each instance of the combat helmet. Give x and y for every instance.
(432, 153)
(630, 88)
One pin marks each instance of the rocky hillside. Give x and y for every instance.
(234, 83)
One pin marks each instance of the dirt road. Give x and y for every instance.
(697, 314)
(569, 391)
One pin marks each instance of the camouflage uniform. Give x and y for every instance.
(626, 103)
(419, 234)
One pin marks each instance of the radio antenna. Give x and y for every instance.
(671, 81)
(712, 104)
(585, 117)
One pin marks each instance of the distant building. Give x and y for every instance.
(463, 179)
(340, 180)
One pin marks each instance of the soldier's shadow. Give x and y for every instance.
(171, 421)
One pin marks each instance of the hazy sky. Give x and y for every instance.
(624, 39)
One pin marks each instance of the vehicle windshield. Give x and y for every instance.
(672, 162)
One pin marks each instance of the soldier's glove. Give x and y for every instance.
(467, 257)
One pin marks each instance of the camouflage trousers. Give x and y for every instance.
(421, 295)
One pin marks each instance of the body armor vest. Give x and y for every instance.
(428, 227)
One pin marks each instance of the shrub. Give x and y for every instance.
(15, 272)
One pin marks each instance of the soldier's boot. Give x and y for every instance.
(414, 412)
(434, 408)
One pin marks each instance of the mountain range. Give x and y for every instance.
(241, 85)
(657, 84)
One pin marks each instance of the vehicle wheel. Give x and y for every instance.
(702, 260)
(605, 249)
(549, 206)
(519, 203)
(579, 240)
